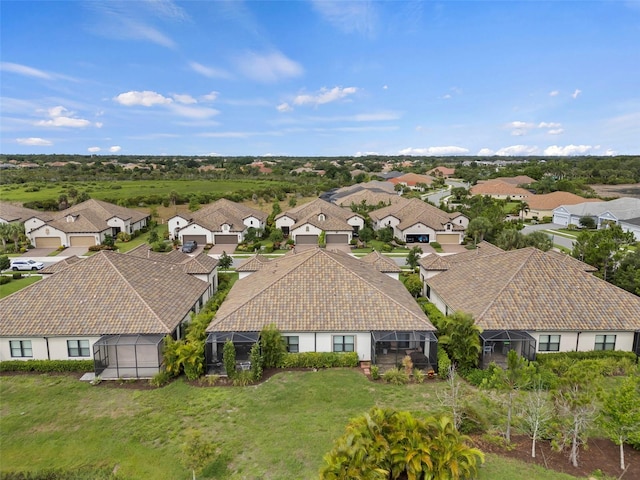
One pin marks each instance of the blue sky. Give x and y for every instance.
(320, 78)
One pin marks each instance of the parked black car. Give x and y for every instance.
(189, 246)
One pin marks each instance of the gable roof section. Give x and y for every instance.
(444, 262)
(253, 263)
(517, 180)
(381, 262)
(531, 290)
(318, 290)
(195, 265)
(222, 211)
(61, 265)
(335, 217)
(549, 201)
(498, 187)
(14, 213)
(412, 211)
(369, 197)
(108, 293)
(412, 179)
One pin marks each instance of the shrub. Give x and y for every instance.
(160, 379)
(395, 376)
(418, 375)
(319, 360)
(5, 263)
(4, 280)
(473, 421)
(229, 358)
(272, 345)
(375, 372)
(243, 378)
(436, 245)
(256, 362)
(17, 276)
(444, 362)
(47, 366)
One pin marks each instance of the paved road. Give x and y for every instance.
(556, 239)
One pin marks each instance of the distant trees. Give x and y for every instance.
(603, 249)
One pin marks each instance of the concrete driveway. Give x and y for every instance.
(38, 252)
(217, 250)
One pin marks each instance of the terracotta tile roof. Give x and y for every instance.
(445, 171)
(517, 180)
(14, 213)
(531, 290)
(225, 211)
(253, 263)
(444, 262)
(380, 262)
(318, 290)
(412, 179)
(549, 201)
(412, 211)
(108, 293)
(335, 218)
(498, 187)
(61, 265)
(196, 265)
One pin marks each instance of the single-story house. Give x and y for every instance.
(413, 181)
(368, 197)
(534, 301)
(602, 213)
(87, 224)
(501, 190)
(383, 264)
(541, 206)
(324, 301)
(306, 223)
(431, 265)
(631, 225)
(415, 221)
(112, 308)
(251, 265)
(222, 222)
(31, 219)
(440, 171)
(201, 266)
(60, 265)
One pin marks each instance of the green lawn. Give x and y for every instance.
(277, 430)
(15, 285)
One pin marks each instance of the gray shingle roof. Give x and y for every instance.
(318, 290)
(108, 293)
(531, 290)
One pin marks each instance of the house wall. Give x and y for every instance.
(461, 220)
(323, 342)
(195, 229)
(285, 221)
(417, 229)
(123, 225)
(32, 223)
(254, 222)
(302, 230)
(45, 348)
(174, 223)
(49, 232)
(388, 221)
(571, 341)
(356, 221)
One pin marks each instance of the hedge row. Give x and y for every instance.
(47, 366)
(541, 358)
(319, 360)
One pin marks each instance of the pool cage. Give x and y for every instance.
(388, 348)
(128, 356)
(497, 343)
(214, 346)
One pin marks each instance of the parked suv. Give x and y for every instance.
(23, 264)
(189, 246)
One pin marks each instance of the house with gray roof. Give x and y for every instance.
(222, 222)
(10, 213)
(323, 301)
(307, 222)
(112, 308)
(415, 221)
(87, 224)
(535, 301)
(602, 213)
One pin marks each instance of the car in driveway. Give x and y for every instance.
(24, 264)
(189, 246)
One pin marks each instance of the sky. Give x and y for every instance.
(320, 78)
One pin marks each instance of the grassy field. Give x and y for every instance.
(15, 285)
(277, 430)
(124, 189)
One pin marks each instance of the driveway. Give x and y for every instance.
(38, 252)
(73, 252)
(339, 247)
(217, 249)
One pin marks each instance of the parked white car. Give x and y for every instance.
(23, 264)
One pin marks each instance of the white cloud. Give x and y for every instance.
(115, 148)
(210, 97)
(284, 107)
(61, 117)
(34, 142)
(269, 67)
(515, 150)
(196, 112)
(324, 95)
(93, 149)
(549, 125)
(520, 125)
(576, 93)
(485, 152)
(359, 17)
(554, 93)
(24, 70)
(184, 98)
(568, 150)
(450, 150)
(145, 98)
(556, 131)
(209, 72)
(385, 87)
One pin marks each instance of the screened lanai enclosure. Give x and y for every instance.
(242, 341)
(388, 349)
(497, 343)
(128, 356)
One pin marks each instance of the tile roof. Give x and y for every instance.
(412, 179)
(444, 262)
(253, 263)
(318, 290)
(370, 197)
(532, 290)
(517, 180)
(412, 211)
(335, 218)
(108, 293)
(498, 187)
(380, 262)
(61, 265)
(223, 211)
(14, 213)
(196, 265)
(549, 201)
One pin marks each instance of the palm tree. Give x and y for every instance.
(4, 234)
(523, 209)
(16, 230)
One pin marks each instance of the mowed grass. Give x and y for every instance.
(15, 285)
(276, 430)
(125, 189)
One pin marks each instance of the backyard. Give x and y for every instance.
(279, 429)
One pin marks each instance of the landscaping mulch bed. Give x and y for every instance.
(600, 454)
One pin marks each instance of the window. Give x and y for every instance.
(21, 348)
(343, 343)
(78, 348)
(293, 344)
(605, 342)
(549, 343)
